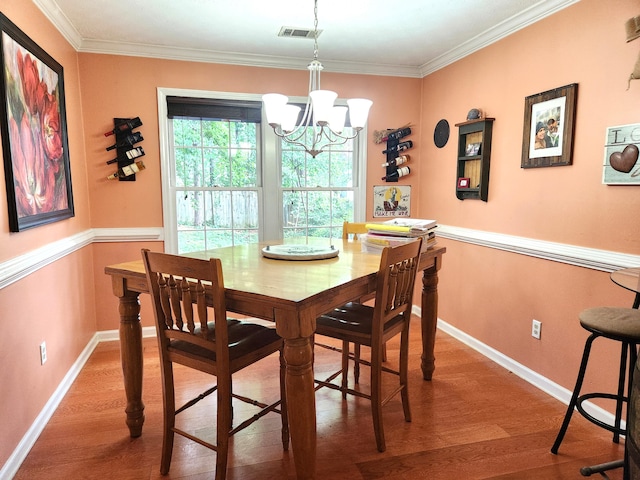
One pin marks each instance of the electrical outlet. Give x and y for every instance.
(43, 353)
(536, 329)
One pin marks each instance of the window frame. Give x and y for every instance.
(269, 168)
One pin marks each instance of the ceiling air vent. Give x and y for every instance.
(293, 32)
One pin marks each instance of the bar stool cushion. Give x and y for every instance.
(614, 322)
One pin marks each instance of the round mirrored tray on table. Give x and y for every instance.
(299, 252)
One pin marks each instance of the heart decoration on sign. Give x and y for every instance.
(625, 160)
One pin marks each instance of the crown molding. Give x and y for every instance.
(530, 16)
(60, 21)
(535, 13)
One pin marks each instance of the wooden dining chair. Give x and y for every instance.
(193, 330)
(353, 230)
(372, 326)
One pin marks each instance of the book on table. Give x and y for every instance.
(397, 232)
(403, 227)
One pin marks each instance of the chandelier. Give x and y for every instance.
(320, 113)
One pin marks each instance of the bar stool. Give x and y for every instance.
(615, 323)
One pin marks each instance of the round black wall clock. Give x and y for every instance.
(441, 133)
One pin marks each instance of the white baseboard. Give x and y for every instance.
(556, 391)
(10, 468)
(12, 465)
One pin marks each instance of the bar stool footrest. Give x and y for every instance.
(594, 420)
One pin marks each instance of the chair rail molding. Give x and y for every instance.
(19, 267)
(592, 258)
(23, 265)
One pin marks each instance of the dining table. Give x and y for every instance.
(290, 293)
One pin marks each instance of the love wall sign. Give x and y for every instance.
(622, 155)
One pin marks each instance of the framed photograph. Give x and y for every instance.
(33, 125)
(621, 164)
(463, 182)
(472, 149)
(549, 119)
(394, 201)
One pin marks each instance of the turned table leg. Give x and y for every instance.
(429, 319)
(131, 355)
(301, 404)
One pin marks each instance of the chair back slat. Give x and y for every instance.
(174, 300)
(202, 309)
(396, 281)
(187, 293)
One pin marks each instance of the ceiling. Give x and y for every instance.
(409, 38)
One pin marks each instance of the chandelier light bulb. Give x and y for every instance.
(289, 118)
(358, 111)
(338, 118)
(274, 104)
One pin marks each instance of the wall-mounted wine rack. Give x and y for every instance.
(397, 145)
(126, 153)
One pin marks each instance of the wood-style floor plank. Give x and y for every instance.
(474, 421)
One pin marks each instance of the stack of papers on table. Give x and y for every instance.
(398, 231)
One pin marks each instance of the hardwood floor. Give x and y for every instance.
(475, 420)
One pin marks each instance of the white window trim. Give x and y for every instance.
(167, 164)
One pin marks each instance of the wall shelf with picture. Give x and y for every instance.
(474, 159)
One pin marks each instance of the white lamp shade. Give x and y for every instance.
(274, 104)
(322, 104)
(337, 119)
(358, 111)
(289, 117)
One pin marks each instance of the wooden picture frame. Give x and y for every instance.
(34, 132)
(463, 182)
(553, 112)
(621, 164)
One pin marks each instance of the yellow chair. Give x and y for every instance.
(193, 330)
(355, 229)
(373, 326)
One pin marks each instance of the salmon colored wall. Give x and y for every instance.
(109, 92)
(56, 303)
(493, 295)
(116, 86)
(489, 294)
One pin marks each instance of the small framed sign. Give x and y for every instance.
(621, 155)
(392, 201)
(463, 182)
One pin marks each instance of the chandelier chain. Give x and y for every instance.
(315, 30)
(322, 135)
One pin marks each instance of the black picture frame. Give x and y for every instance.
(555, 148)
(33, 125)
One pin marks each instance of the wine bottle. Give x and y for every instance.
(398, 134)
(130, 139)
(397, 161)
(124, 126)
(127, 170)
(129, 154)
(400, 147)
(394, 176)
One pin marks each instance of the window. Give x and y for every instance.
(228, 180)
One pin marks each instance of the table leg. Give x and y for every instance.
(429, 319)
(301, 404)
(131, 358)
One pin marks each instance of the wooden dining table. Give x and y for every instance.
(291, 294)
